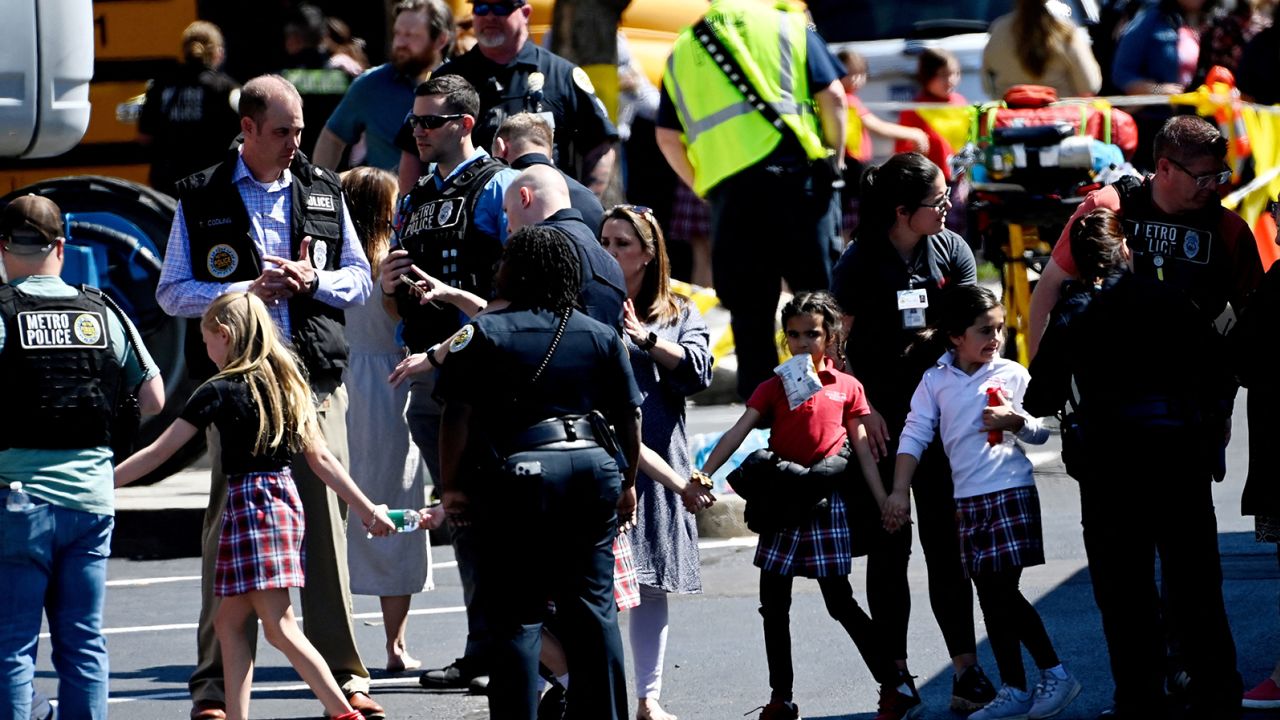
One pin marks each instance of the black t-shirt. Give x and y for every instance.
(866, 282)
(191, 121)
(227, 405)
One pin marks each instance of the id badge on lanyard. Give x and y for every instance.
(912, 304)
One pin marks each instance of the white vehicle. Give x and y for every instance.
(44, 76)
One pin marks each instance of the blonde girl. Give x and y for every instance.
(264, 412)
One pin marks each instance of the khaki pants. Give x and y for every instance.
(326, 599)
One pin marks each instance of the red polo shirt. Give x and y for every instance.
(816, 429)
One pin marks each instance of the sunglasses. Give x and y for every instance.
(1204, 182)
(431, 122)
(499, 9)
(637, 209)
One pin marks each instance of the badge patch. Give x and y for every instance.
(222, 261)
(463, 338)
(319, 254)
(444, 213)
(61, 330)
(321, 202)
(1191, 245)
(581, 79)
(88, 328)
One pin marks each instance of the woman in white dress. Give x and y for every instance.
(384, 461)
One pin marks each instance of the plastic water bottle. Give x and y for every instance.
(18, 500)
(406, 520)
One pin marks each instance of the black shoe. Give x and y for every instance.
(972, 690)
(551, 707)
(455, 676)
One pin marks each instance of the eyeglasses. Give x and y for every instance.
(499, 9)
(941, 205)
(1204, 182)
(430, 122)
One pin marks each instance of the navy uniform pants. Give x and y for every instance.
(1148, 495)
(545, 527)
(768, 223)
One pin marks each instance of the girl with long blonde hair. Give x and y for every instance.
(265, 413)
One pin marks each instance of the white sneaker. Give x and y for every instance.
(1052, 695)
(1005, 707)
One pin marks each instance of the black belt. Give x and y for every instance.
(554, 430)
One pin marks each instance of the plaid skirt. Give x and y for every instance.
(819, 549)
(260, 547)
(1000, 530)
(626, 583)
(690, 215)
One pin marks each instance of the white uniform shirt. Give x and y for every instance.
(949, 398)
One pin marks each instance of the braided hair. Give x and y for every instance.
(539, 270)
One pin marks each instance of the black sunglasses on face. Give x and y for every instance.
(499, 9)
(430, 122)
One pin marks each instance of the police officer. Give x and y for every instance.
(1178, 231)
(450, 228)
(1143, 440)
(767, 176)
(539, 196)
(269, 222)
(318, 75)
(514, 75)
(523, 389)
(525, 140)
(66, 355)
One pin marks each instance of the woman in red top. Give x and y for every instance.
(938, 74)
(820, 547)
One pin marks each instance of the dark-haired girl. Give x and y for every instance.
(972, 399)
(901, 250)
(814, 430)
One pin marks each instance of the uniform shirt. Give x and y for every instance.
(866, 282)
(82, 478)
(580, 119)
(822, 69)
(580, 196)
(493, 362)
(954, 401)
(375, 105)
(227, 404)
(604, 289)
(1233, 237)
(818, 428)
(191, 117)
(269, 206)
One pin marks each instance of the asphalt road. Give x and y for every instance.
(715, 667)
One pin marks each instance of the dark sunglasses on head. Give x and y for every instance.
(637, 209)
(430, 122)
(499, 9)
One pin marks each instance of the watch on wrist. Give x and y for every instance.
(649, 342)
(315, 284)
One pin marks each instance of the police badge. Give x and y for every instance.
(1191, 244)
(443, 215)
(222, 261)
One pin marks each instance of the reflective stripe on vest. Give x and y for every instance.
(711, 132)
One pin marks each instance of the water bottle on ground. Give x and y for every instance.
(18, 500)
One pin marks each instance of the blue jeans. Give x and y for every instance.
(54, 559)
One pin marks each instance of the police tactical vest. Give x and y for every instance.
(724, 134)
(1187, 251)
(437, 227)
(61, 376)
(223, 251)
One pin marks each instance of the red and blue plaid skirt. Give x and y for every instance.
(1000, 530)
(626, 583)
(819, 549)
(260, 547)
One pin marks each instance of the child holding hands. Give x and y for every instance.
(264, 412)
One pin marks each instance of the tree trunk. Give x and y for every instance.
(585, 32)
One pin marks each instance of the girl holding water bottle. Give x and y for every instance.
(264, 412)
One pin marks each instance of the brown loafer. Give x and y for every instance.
(209, 710)
(367, 706)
